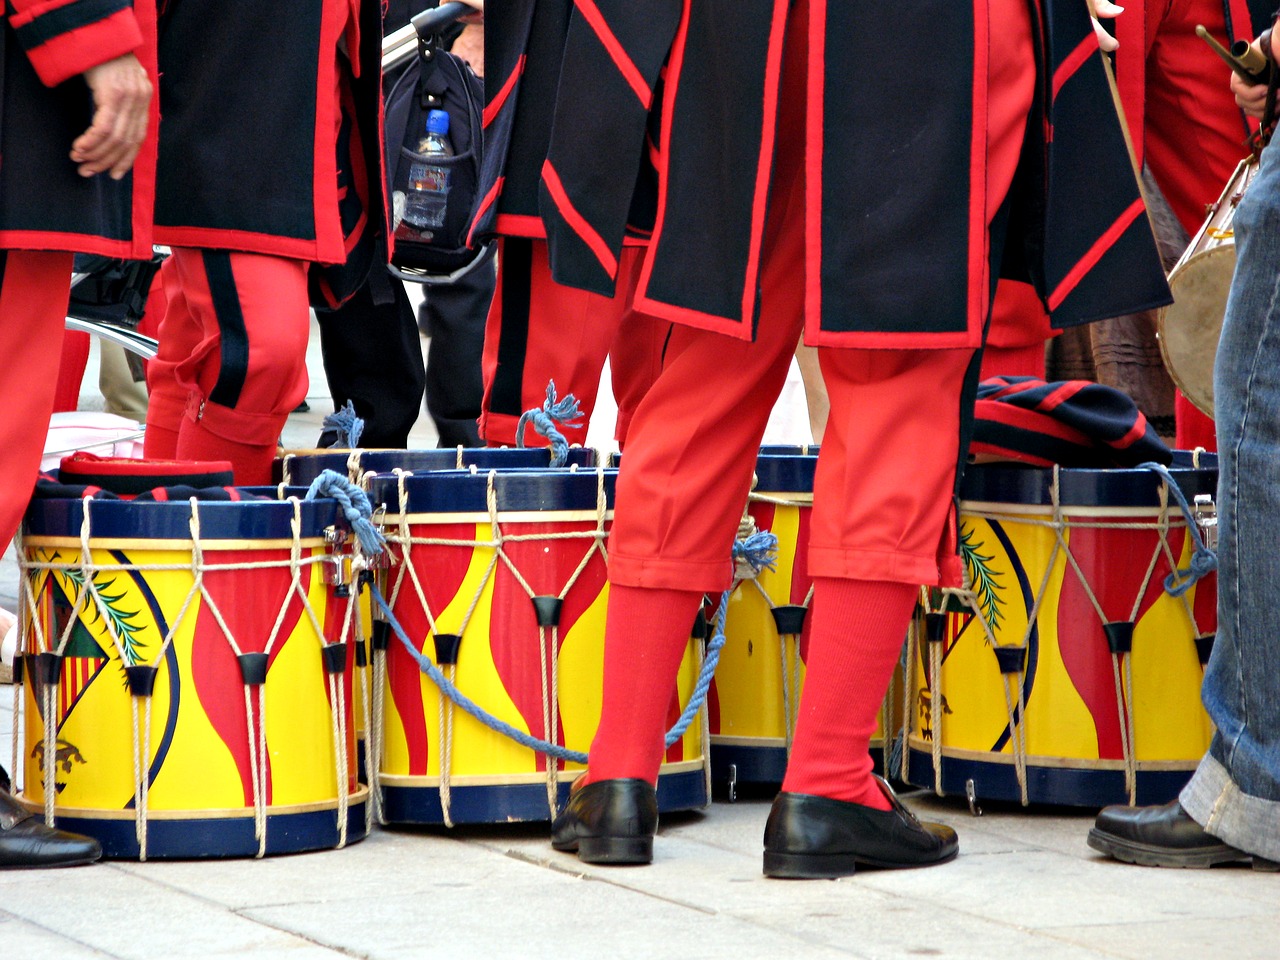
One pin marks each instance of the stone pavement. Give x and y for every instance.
(1025, 886)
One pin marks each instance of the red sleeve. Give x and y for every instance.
(66, 37)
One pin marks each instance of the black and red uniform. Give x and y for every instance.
(1184, 126)
(538, 330)
(1184, 122)
(807, 180)
(47, 209)
(268, 163)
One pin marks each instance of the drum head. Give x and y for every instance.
(1189, 328)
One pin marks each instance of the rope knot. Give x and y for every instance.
(756, 552)
(346, 425)
(544, 420)
(355, 506)
(1203, 560)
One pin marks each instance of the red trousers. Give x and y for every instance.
(538, 331)
(34, 291)
(887, 467)
(232, 361)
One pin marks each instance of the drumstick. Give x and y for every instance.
(1249, 64)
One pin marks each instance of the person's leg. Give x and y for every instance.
(179, 333)
(372, 357)
(692, 445)
(1235, 792)
(639, 342)
(878, 523)
(457, 314)
(34, 289)
(246, 371)
(882, 502)
(121, 393)
(75, 357)
(538, 331)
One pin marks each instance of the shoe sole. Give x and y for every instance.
(78, 862)
(1149, 855)
(617, 851)
(809, 866)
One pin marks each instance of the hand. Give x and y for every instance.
(121, 99)
(1109, 11)
(1251, 97)
(478, 16)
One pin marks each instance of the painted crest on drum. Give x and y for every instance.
(198, 726)
(1070, 700)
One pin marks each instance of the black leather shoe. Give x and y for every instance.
(808, 837)
(26, 842)
(1164, 837)
(611, 821)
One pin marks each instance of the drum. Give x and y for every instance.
(498, 580)
(756, 691)
(1066, 673)
(187, 677)
(1189, 328)
(301, 467)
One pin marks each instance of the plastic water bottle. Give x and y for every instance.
(427, 193)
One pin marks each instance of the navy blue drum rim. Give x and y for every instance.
(213, 837)
(1080, 487)
(461, 491)
(785, 472)
(520, 802)
(1046, 786)
(305, 467)
(255, 519)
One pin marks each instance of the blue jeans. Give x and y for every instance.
(1235, 792)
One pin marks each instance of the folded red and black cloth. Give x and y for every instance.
(85, 474)
(1073, 423)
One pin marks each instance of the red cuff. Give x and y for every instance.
(64, 56)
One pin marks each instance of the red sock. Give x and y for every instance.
(646, 633)
(854, 642)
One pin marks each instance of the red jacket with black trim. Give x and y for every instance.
(271, 126)
(44, 203)
(1087, 246)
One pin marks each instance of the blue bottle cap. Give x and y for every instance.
(437, 122)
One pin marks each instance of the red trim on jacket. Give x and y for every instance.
(494, 107)
(626, 67)
(63, 56)
(979, 262)
(1095, 252)
(577, 222)
(769, 120)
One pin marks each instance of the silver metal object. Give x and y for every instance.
(1206, 514)
(971, 795)
(400, 45)
(144, 346)
(733, 782)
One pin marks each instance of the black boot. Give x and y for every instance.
(809, 837)
(612, 821)
(26, 842)
(1164, 837)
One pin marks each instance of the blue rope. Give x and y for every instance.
(459, 698)
(544, 421)
(755, 550)
(760, 550)
(355, 507)
(346, 424)
(1203, 560)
